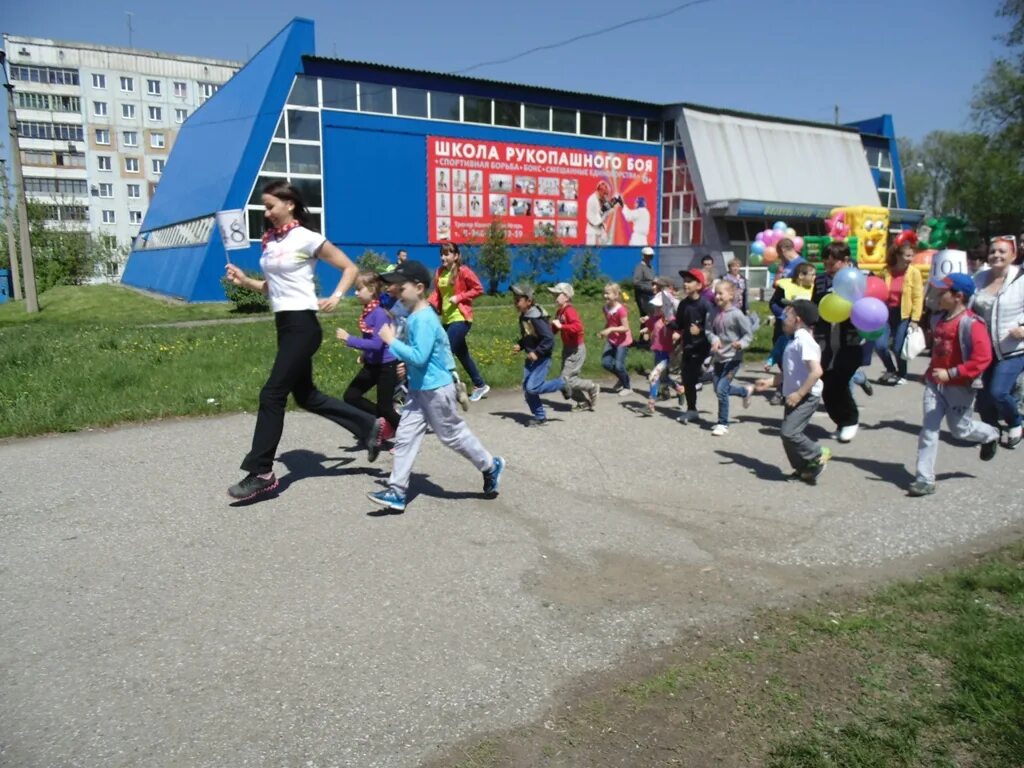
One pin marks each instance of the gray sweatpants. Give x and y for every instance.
(573, 359)
(800, 449)
(439, 409)
(956, 404)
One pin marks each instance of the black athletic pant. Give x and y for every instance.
(385, 379)
(298, 338)
(836, 395)
(692, 370)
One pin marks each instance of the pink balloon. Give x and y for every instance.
(760, 237)
(798, 243)
(876, 288)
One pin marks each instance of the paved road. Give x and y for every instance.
(147, 622)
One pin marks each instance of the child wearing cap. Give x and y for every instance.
(801, 386)
(961, 351)
(569, 326)
(537, 342)
(657, 328)
(690, 332)
(432, 398)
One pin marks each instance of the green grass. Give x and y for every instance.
(91, 357)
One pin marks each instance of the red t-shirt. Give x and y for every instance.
(571, 329)
(895, 297)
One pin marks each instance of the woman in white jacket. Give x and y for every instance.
(999, 300)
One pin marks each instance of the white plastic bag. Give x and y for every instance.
(914, 344)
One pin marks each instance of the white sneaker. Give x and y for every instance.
(899, 382)
(846, 434)
(719, 430)
(748, 396)
(686, 417)
(625, 392)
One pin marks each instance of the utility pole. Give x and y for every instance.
(31, 300)
(129, 14)
(12, 252)
(835, 113)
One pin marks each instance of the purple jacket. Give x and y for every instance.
(375, 351)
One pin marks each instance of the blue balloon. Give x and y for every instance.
(757, 247)
(850, 283)
(779, 226)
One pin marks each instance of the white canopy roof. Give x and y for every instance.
(735, 157)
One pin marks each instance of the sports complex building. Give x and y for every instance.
(391, 158)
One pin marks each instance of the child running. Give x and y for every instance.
(582, 392)
(690, 332)
(663, 309)
(380, 368)
(428, 359)
(801, 386)
(537, 342)
(617, 337)
(729, 335)
(961, 351)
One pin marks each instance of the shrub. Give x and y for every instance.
(371, 261)
(246, 300)
(587, 278)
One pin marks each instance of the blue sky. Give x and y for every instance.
(916, 59)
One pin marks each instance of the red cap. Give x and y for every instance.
(693, 274)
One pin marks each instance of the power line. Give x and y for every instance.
(585, 35)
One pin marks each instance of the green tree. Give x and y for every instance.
(543, 256)
(998, 104)
(915, 179)
(587, 277)
(492, 257)
(64, 255)
(371, 261)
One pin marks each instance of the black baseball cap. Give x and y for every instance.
(409, 271)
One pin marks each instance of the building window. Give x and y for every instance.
(131, 165)
(153, 87)
(636, 129)
(303, 126)
(444, 106)
(507, 113)
(539, 118)
(411, 102)
(156, 114)
(102, 136)
(563, 120)
(128, 84)
(99, 81)
(157, 141)
(476, 110)
(99, 108)
(206, 90)
(135, 217)
(128, 111)
(52, 75)
(134, 191)
(103, 162)
(304, 158)
(131, 138)
(304, 92)
(375, 98)
(681, 222)
(180, 89)
(180, 115)
(108, 217)
(49, 103)
(616, 127)
(158, 165)
(654, 131)
(106, 190)
(53, 131)
(591, 124)
(277, 159)
(339, 94)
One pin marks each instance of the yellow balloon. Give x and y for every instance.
(834, 308)
(790, 233)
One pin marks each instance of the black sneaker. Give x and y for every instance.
(988, 450)
(868, 388)
(492, 477)
(813, 471)
(921, 488)
(251, 486)
(373, 441)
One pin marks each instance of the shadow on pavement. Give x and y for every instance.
(763, 470)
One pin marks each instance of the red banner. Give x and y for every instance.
(584, 197)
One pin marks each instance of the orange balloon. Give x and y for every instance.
(770, 255)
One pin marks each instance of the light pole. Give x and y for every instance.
(12, 252)
(31, 300)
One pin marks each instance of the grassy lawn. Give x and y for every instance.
(926, 673)
(91, 357)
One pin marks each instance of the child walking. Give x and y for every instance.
(663, 308)
(537, 342)
(801, 386)
(431, 401)
(961, 351)
(730, 334)
(567, 322)
(690, 332)
(380, 368)
(617, 337)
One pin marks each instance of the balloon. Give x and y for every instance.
(869, 314)
(790, 233)
(759, 237)
(779, 226)
(798, 243)
(871, 335)
(757, 247)
(770, 254)
(834, 308)
(849, 283)
(876, 288)
(754, 260)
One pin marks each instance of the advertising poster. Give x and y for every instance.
(585, 197)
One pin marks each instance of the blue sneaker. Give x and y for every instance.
(389, 499)
(492, 477)
(479, 393)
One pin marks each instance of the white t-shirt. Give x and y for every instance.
(800, 351)
(288, 266)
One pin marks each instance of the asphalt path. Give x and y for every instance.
(148, 622)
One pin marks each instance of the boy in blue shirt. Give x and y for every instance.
(432, 395)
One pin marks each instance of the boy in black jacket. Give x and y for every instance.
(537, 341)
(690, 332)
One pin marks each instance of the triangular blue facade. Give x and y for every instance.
(212, 165)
